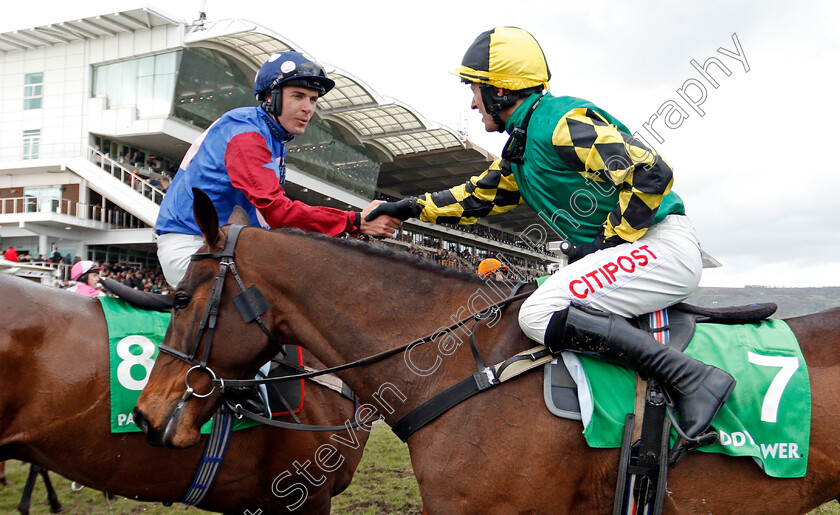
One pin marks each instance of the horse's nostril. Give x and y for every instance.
(153, 436)
(141, 420)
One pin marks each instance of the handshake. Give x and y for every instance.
(383, 218)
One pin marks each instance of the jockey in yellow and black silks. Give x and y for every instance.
(607, 193)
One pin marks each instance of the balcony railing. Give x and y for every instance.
(125, 175)
(117, 218)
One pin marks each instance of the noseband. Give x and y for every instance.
(250, 302)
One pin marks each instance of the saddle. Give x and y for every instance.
(644, 457)
(286, 398)
(561, 390)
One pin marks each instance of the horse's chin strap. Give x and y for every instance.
(250, 302)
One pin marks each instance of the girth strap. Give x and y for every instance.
(482, 380)
(441, 403)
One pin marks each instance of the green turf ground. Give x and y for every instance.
(383, 484)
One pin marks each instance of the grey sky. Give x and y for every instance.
(755, 170)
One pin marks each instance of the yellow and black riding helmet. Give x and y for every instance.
(508, 58)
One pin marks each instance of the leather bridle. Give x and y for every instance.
(251, 305)
(250, 302)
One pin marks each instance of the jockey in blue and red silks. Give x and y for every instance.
(240, 160)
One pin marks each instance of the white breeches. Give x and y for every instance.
(661, 268)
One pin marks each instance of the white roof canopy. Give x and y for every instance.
(386, 124)
(84, 28)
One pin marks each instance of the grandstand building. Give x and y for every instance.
(98, 112)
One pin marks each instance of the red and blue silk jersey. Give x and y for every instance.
(240, 160)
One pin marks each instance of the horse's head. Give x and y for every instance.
(204, 341)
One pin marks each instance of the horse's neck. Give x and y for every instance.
(819, 336)
(383, 304)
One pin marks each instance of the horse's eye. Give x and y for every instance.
(182, 300)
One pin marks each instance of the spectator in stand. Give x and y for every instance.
(56, 257)
(11, 254)
(137, 281)
(86, 275)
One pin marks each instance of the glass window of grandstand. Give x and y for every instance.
(42, 199)
(147, 83)
(210, 84)
(33, 90)
(127, 256)
(322, 152)
(431, 241)
(31, 143)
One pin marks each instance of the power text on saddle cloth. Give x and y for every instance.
(133, 339)
(767, 417)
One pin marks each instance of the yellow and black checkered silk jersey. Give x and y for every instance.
(493, 192)
(582, 172)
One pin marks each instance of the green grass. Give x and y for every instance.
(383, 484)
(384, 481)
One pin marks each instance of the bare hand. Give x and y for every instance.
(383, 226)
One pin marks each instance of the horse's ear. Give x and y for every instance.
(239, 216)
(206, 216)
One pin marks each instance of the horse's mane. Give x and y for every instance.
(402, 258)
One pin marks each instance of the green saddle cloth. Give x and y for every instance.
(767, 417)
(133, 339)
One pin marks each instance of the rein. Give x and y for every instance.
(251, 304)
(374, 358)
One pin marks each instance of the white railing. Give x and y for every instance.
(115, 217)
(125, 175)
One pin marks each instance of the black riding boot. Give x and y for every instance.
(697, 390)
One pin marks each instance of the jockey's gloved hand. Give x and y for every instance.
(579, 251)
(403, 209)
(597, 244)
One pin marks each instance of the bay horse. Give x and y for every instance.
(500, 451)
(54, 411)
